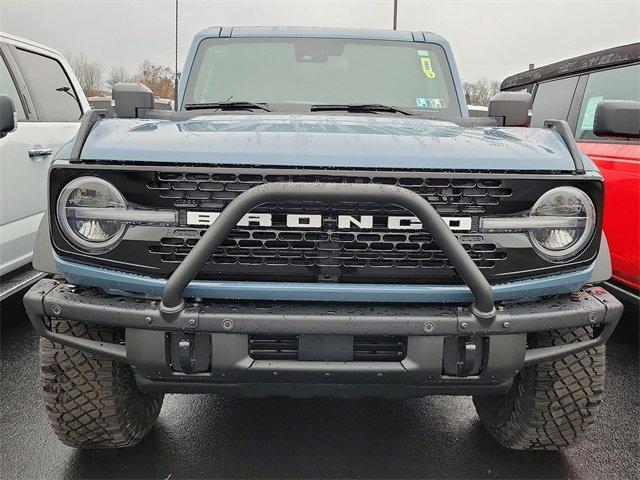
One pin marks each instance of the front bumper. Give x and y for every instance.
(224, 328)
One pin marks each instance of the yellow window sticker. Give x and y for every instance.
(427, 69)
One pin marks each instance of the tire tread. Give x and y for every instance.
(93, 402)
(553, 404)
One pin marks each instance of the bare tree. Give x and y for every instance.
(158, 78)
(89, 73)
(480, 91)
(119, 75)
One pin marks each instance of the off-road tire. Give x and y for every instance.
(550, 405)
(93, 402)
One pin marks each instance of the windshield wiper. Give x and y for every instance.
(227, 106)
(359, 107)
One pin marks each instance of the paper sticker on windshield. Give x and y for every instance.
(590, 113)
(424, 102)
(427, 69)
(423, 53)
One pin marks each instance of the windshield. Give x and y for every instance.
(322, 71)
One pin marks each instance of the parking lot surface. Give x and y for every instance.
(203, 436)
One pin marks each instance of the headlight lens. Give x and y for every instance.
(86, 194)
(566, 206)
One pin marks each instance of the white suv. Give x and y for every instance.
(48, 103)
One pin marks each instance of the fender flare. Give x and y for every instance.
(43, 250)
(602, 266)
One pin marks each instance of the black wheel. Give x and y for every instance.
(551, 405)
(93, 402)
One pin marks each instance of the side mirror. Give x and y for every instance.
(130, 99)
(511, 107)
(617, 118)
(7, 118)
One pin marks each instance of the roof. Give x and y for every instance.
(321, 32)
(610, 57)
(7, 37)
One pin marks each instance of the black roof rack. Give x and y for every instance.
(610, 57)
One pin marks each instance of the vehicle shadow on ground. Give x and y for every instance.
(201, 436)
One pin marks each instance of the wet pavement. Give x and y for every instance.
(202, 436)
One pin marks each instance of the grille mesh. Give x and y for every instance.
(216, 190)
(373, 249)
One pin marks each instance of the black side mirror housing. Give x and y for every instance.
(131, 99)
(511, 107)
(617, 118)
(7, 117)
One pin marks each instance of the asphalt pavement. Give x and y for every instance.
(204, 436)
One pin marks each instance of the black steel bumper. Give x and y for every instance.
(228, 325)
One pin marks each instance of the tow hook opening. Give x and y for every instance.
(190, 352)
(463, 356)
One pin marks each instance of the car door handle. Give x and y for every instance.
(39, 152)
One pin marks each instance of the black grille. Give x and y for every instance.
(373, 249)
(280, 253)
(366, 348)
(329, 252)
(216, 190)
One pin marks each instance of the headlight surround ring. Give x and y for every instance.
(79, 234)
(561, 244)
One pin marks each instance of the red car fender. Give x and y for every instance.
(619, 164)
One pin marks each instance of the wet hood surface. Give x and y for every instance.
(327, 141)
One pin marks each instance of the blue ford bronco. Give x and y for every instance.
(320, 216)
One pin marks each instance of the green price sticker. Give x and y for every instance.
(427, 69)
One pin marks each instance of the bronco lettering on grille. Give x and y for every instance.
(362, 222)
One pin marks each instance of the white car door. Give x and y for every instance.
(48, 117)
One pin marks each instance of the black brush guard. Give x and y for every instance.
(483, 306)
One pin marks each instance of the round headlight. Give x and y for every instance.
(81, 209)
(567, 220)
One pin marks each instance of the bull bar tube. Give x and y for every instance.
(483, 306)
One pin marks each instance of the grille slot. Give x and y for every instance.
(366, 348)
(382, 348)
(273, 347)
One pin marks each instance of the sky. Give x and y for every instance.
(492, 39)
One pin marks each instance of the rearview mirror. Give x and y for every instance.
(617, 118)
(130, 99)
(7, 117)
(511, 107)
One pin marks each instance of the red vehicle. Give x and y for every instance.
(571, 90)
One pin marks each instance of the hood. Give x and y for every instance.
(327, 141)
